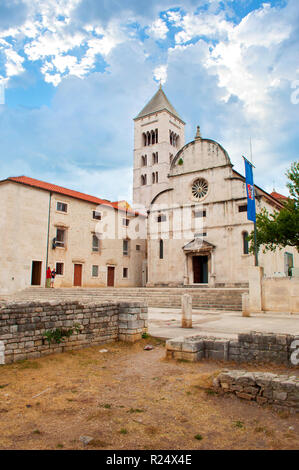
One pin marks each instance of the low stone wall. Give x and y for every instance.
(23, 326)
(250, 347)
(282, 391)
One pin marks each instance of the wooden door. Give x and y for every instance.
(78, 275)
(36, 273)
(110, 276)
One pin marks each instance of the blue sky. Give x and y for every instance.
(76, 72)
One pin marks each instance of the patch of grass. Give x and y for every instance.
(209, 391)
(36, 431)
(145, 335)
(188, 392)
(107, 406)
(3, 386)
(60, 446)
(123, 431)
(238, 424)
(182, 360)
(198, 437)
(135, 410)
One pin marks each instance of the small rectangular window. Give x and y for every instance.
(200, 213)
(61, 207)
(125, 247)
(125, 272)
(137, 247)
(95, 270)
(96, 215)
(243, 208)
(161, 218)
(59, 269)
(60, 237)
(95, 243)
(126, 222)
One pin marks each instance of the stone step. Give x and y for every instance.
(204, 298)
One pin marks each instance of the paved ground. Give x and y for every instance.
(165, 323)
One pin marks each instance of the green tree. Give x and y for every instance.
(281, 228)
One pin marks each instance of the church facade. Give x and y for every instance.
(188, 225)
(197, 225)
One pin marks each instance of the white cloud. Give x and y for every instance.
(160, 74)
(158, 29)
(202, 24)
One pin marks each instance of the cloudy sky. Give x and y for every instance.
(74, 73)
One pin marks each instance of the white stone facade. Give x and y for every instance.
(194, 233)
(197, 240)
(26, 214)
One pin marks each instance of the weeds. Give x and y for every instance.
(238, 424)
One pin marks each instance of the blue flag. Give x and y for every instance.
(250, 191)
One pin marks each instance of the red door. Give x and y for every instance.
(78, 275)
(110, 276)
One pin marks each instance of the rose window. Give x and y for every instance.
(199, 188)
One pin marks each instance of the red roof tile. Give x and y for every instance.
(65, 191)
(278, 196)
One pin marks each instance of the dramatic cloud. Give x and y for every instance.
(91, 65)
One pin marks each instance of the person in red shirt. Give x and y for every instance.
(48, 277)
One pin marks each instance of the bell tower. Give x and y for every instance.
(159, 133)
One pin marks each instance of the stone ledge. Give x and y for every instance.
(281, 391)
(250, 347)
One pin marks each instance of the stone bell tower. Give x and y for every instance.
(159, 133)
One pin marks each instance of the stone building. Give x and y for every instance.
(193, 231)
(197, 206)
(86, 239)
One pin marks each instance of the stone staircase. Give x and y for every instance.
(210, 298)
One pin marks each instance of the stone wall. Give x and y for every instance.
(249, 347)
(280, 295)
(23, 325)
(272, 294)
(282, 391)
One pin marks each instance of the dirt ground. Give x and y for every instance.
(128, 398)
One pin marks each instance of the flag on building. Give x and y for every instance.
(250, 191)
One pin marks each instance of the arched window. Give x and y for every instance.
(245, 243)
(155, 158)
(153, 178)
(156, 177)
(143, 160)
(153, 137)
(144, 139)
(156, 134)
(161, 249)
(143, 180)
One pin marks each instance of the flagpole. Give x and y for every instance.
(255, 246)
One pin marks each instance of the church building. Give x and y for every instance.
(196, 204)
(188, 225)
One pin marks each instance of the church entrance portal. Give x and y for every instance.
(200, 269)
